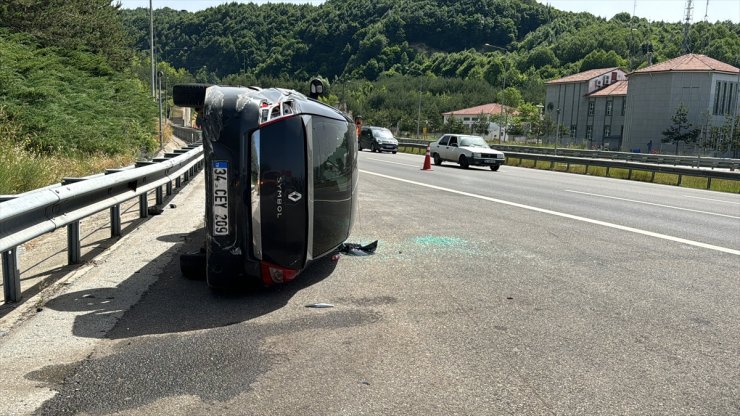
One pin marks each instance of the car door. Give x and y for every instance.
(439, 146)
(450, 151)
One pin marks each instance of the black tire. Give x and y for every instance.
(495, 167)
(193, 265)
(437, 159)
(375, 149)
(464, 162)
(189, 95)
(394, 152)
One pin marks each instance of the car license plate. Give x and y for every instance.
(490, 161)
(220, 197)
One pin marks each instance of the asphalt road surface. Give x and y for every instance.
(510, 292)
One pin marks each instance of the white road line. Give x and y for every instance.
(710, 199)
(654, 204)
(564, 215)
(395, 163)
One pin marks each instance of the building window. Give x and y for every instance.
(730, 100)
(624, 104)
(589, 132)
(466, 118)
(609, 107)
(716, 98)
(572, 130)
(591, 106)
(607, 131)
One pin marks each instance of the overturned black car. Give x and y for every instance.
(281, 182)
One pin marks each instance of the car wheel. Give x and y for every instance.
(437, 159)
(375, 149)
(394, 152)
(495, 167)
(464, 162)
(359, 148)
(193, 265)
(189, 95)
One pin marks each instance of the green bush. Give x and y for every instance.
(71, 102)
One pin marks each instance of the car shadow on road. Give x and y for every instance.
(175, 304)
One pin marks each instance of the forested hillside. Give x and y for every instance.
(380, 56)
(361, 39)
(70, 103)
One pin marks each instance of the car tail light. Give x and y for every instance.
(272, 273)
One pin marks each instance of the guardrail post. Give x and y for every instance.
(143, 206)
(178, 182)
(159, 196)
(11, 275)
(680, 178)
(73, 242)
(709, 182)
(652, 176)
(629, 175)
(186, 176)
(169, 188)
(115, 221)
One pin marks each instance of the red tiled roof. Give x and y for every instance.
(690, 62)
(582, 76)
(617, 88)
(493, 108)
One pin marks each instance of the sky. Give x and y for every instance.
(655, 10)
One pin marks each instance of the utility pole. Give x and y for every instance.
(557, 131)
(151, 42)
(706, 12)
(418, 118)
(159, 95)
(734, 111)
(685, 47)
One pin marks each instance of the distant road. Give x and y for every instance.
(512, 292)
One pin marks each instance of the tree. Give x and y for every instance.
(728, 143)
(602, 59)
(681, 130)
(510, 97)
(454, 125)
(481, 125)
(83, 25)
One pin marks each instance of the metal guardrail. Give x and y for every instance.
(29, 215)
(693, 161)
(709, 174)
(188, 134)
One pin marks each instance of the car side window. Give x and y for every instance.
(453, 141)
(443, 141)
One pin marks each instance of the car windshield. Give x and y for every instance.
(473, 141)
(383, 134)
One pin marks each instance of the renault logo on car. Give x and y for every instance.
(295, 196)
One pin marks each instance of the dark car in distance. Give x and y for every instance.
(281, 182)
(378, 139)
